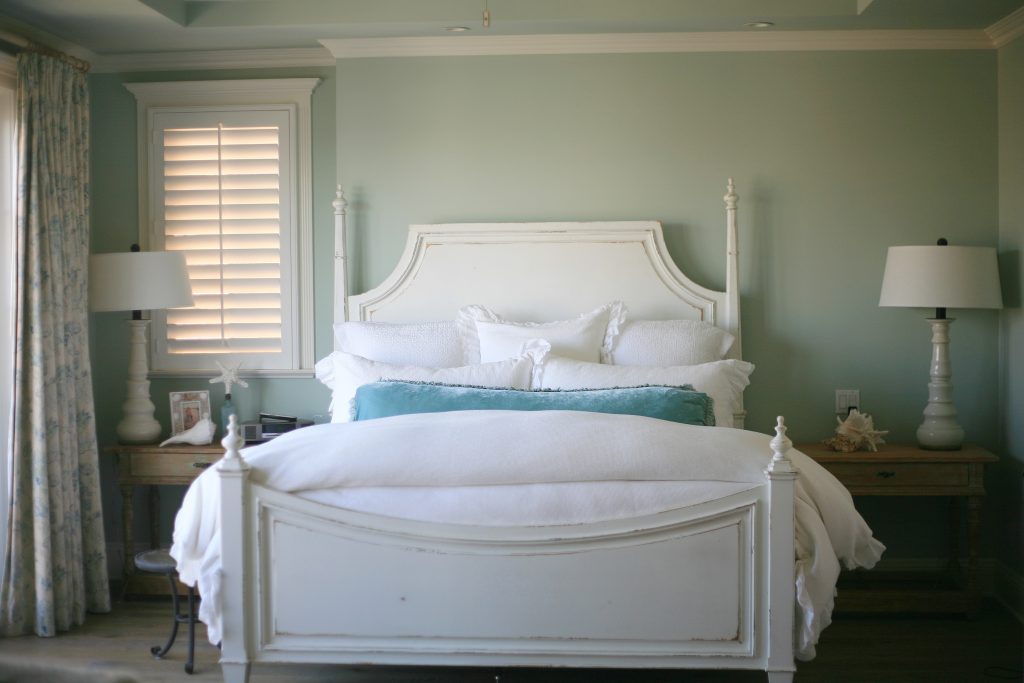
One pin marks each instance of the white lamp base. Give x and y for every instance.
(138, 424)
(940, 431)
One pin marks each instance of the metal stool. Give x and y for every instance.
(161, 562)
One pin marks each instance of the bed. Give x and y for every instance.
(471, 538)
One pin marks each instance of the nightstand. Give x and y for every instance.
(906, 470)
(153, 466)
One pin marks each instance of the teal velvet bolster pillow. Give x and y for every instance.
(387, 398)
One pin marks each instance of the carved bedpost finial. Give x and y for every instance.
(339, 203)
(730, 195)
(780, 445)
(232, 443)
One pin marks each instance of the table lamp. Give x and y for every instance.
(136, 281)
(941, 277)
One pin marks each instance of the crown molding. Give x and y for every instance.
(1007, 29)
(214, 59)
(612, 43)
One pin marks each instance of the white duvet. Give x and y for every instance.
(524, 468)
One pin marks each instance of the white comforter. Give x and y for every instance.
(510, 467)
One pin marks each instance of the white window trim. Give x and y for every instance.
(209, 95)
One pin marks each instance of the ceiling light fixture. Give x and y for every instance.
(456, 29)
(759, 24)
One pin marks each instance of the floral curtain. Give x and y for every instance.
(55, 569)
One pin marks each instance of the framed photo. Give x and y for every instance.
(188, 408)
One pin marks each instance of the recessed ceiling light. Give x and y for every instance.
(456, 29)
(759, 24)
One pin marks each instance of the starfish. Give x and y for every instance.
(229, 376)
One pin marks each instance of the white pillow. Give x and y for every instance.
(431, 345)
(723, 380)
(670, 342)
(487, 337)
(344, 372)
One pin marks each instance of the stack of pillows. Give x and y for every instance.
(599, 362)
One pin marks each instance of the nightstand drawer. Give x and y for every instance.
(900, 474)
(175, 465)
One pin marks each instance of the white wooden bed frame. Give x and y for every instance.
(708, 586)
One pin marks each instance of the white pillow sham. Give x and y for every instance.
(343, 373)
(487, 337)
(431, 344)
(723, 380)
(670, 342)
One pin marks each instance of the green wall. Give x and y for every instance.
(1008, 492)
(836, 156)
(114, 213)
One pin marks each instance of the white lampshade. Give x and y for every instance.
(138, 281)
(941, 277)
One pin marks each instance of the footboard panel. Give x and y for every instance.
(339, 586)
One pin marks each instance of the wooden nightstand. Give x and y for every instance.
(153, 466)
(906, 470)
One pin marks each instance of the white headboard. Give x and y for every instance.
(539, 271)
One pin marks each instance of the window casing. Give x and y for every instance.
(227, 178)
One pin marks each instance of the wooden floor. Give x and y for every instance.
(115, 647)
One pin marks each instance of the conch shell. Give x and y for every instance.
(200, 434)
(856, 432)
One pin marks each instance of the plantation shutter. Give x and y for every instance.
(223, 200)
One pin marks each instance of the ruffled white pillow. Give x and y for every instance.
(670, 342)
(431, 344)
(724, 380)
(344, 372)
(487, 337)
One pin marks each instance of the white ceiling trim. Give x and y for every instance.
(215, 59)
(610, 43)
(1007, 29)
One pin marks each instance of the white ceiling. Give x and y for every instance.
(118, 27)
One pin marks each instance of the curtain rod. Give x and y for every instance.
(23, 44)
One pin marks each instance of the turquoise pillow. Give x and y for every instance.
(394, 397)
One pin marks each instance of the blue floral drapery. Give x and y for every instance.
(55, 569)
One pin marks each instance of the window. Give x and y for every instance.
(227, 182)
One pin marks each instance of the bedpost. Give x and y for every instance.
(340, 258)
(732, 286)
(234, 532)
(781, 571)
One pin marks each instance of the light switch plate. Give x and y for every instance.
(847, 399)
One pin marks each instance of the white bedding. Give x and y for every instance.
(521, 468)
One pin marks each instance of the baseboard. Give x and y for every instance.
(995, 578)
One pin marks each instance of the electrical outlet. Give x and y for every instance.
(847, 399)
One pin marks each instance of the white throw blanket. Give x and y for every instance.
(475, 450)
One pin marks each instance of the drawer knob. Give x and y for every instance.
(201, 465)
(885, 475)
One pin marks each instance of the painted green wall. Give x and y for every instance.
(114, 214)
(836, 156)
(1008, 493)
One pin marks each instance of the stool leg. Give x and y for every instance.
(156, 650)
(191, 629)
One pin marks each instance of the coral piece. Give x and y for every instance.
(842, 444)
(859, 429)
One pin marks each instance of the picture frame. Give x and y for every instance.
(188, 408)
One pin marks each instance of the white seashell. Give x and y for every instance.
(200, 434)
(860, 428)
